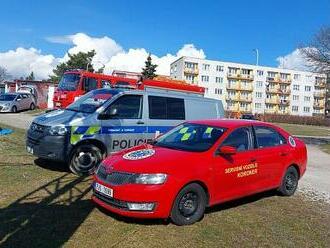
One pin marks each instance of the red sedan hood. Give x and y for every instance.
(159, 160)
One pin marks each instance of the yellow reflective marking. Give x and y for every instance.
(186, 136)
(209, 130)
(183, 130)
(92, 130)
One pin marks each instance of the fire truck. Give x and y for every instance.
(76, 83)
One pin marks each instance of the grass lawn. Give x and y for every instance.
(45, 206)
(305, 129)
(325, 148)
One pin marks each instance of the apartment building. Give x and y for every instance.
(254, 89)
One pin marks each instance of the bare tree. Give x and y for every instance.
(3, 74)
(317, 53)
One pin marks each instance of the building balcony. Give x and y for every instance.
(284, 92)
(318, 105)
(193, 71)
(246, 88)
(319, 94)
(320, 84)
(232, 98)
(272, 101)
(245, 99)
(238, 75)
(233, 87)
(272, 90)
(232, 108)
(271, 111)
(284, 102)
(285, 81)
(273, 79)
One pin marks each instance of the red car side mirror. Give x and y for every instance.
(227, 150)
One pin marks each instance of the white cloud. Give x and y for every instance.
(294, 60)
(22, 61)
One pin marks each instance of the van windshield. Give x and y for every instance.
(90, 102)
(191, 137)
(69, 82)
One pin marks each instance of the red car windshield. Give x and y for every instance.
(69, 82)
(191, 137)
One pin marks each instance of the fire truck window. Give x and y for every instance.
(166, 108)
(239, 139)
(90, 84)
(128, 107)
(267, 137)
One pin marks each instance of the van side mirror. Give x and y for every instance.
(227, 150)
(107, 116)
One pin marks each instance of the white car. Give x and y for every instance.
(14, 102)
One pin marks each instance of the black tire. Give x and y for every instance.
(189, 205)
(85, 159)
(32, 106)
(289, 182)
(14, 109)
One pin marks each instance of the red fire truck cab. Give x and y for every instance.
(76, 83)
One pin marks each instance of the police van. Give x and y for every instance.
(108, 120)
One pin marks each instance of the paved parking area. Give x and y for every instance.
(18, 120)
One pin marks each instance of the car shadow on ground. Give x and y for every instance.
(51, 165)
(47, 216)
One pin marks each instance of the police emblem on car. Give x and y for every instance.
(139, 154)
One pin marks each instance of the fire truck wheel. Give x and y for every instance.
(289, 182)
(189, 205)
(85, 159)
(32, 106)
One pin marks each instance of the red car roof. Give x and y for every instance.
(229, 123)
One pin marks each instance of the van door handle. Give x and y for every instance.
(140, 122)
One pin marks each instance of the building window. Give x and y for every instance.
(295, 108)
(219, 68)
(272, 74)
(295, 87)
(206, 67)
(296, 76)
(257, 105)
(258, 94)
(308, 88)
(259, 84)
(260, 73)
(295, 98)
(205, 78)
(218, 79)
(218, 91)
(307, 98)
(306, 109)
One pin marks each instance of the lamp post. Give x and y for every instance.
(256, 50)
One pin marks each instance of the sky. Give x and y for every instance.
(37, 35)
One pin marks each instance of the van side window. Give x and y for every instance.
(128, 107)
(267, 137)
(166, 108)
(89, 84)
(239, 139)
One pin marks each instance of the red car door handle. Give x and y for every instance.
(253, 160)
(283, 153)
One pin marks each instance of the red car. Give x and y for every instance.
(199, 164)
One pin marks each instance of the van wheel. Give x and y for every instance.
(189, 205)
(85, 159)
(32, 106)
(289, 182)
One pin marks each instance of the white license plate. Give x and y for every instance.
(104, 190)
(29, 149)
